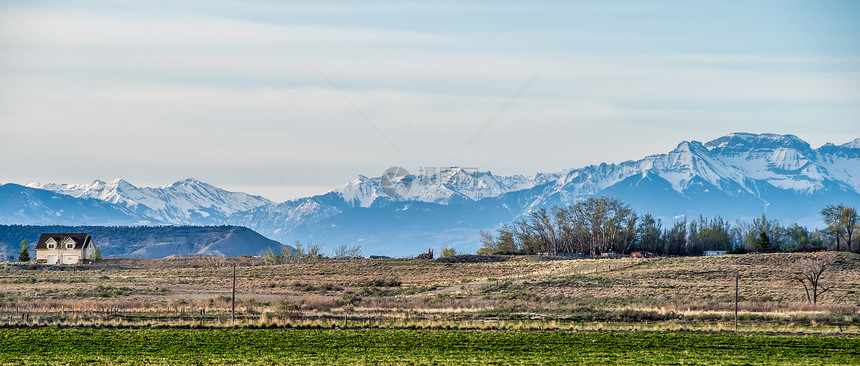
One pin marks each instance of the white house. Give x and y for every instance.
(68, 248)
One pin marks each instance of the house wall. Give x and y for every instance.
(42, 254)
(89, 252)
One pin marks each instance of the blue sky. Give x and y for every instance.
(287, 99)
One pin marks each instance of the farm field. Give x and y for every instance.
(464, 292)
(283, 346)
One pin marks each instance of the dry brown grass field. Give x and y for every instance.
(469, 292)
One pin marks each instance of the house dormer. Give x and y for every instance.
(69, 243)
(51, 243)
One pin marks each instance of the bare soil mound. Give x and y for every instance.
(472, 258)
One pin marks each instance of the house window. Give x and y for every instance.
(52, 246)
(70, 246)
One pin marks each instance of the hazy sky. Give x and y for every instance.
(287, 99)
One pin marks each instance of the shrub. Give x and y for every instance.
(349, 299)
(738, 250)
(447, 252)
(300, 286)
(97, 256)
(382, 282)
(286, 309)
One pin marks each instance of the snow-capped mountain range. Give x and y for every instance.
(739, 175)
(735, 163)
(187, 202)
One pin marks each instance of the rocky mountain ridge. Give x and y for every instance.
(740, 175)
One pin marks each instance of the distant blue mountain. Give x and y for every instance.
(148, 241)
(739, 175)
(24, 205)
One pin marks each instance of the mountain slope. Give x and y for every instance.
(20, 204)
(439, 186)
(150, 241)
(187, 202)
(740, 175)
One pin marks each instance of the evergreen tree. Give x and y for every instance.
(776, 234)
(762, 243)
(25, 252)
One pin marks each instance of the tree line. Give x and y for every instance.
(603, 224)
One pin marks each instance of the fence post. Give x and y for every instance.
(233, 308)
(737, 280)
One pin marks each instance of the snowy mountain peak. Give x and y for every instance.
(742, 141)
(439, 185)
(738, 162)
(185, 182)
(117, 184)
(361, 179)
(185, 202)
(687, 146)
(359, 192)
(188, 182)
(853, 144)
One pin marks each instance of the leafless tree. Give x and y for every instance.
(808, 271)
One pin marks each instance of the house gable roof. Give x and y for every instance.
(81, 240)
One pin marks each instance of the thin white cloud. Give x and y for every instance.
(189, 92)
(123, 31)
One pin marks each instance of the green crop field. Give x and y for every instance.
(507, 310)
(282, 346)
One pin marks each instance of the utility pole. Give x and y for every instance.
(233, 309)
(737, 280)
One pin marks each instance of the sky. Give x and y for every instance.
(291, 99)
